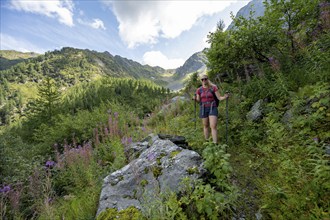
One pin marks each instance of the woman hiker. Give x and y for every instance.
(208, 111)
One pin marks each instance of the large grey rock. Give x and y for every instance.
(287, 117)
(178, 140)
(159, 168)
(327, 150)
(256, 111)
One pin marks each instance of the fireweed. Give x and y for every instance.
(10, 200)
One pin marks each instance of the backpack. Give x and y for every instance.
(213, 93)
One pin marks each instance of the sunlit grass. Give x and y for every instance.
(28, 90)
(167, 74)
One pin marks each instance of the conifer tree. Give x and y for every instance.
(48, 98)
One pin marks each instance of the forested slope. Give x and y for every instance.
(67, 67)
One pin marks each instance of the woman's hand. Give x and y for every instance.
(196, 98)
(226, 96)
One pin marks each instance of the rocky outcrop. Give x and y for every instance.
(196, 63)
(255, 113)
(256, 6)
(287, 118)
(160, 165)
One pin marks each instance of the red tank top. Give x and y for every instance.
(206, 96)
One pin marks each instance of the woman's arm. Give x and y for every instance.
(197, 97)
(221, 97)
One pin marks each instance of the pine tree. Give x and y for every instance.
(48, 98)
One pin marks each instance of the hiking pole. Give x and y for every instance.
(195, 111)
(227, 118)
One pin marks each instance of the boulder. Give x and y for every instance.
(327, 150)
(255, 113)
(178, 140)
(287, 117)
(159, 167)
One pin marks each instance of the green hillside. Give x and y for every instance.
(67, 67)
(76, 128)
(10, 58)
(70, 66)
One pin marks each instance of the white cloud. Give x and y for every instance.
(143, 22)
(62, 10)
(205, 43)
(10, 43)
(157, 58)
(96, 23)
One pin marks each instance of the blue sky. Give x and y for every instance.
(159, 33)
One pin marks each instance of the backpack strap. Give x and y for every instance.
(200, 91)
(215, 97)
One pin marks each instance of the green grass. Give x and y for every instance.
(28, 90)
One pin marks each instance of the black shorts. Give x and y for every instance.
(205, 112)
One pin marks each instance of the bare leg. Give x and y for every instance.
(213, 124)
(206, 127)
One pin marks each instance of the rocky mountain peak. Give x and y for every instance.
(195, 63)
(255, 5)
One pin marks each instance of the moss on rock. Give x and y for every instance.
(131, 213)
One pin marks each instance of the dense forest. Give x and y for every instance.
(74, 120)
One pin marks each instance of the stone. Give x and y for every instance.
(159, 168)
(255, 113)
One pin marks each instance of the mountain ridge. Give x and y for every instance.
(81, 64)
(195, 63)
(100, 63)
